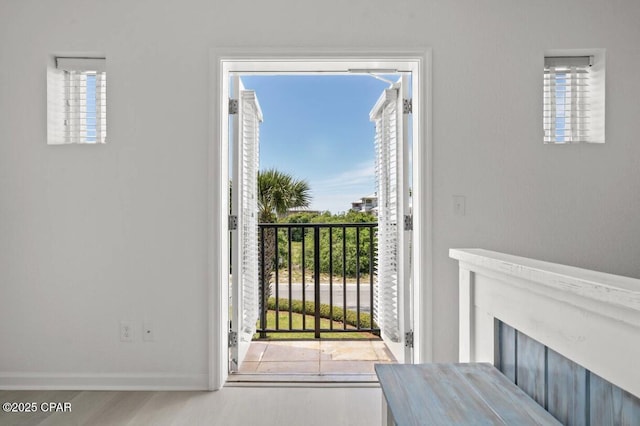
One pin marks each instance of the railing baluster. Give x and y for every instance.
(371, 259)
(344, 277)
(331, 277)
(289, 267)
(263, 310)
(316, 281)
(304, 303)
(358, 277)
(277, 279)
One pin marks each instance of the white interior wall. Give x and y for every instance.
(91, 235)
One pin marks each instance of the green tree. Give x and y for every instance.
(350, 247)
(352, 266)
(277, 193)
(296, 233)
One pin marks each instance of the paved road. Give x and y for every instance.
(352, 294)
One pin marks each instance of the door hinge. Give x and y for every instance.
(233, 106)
(233, 222)
(408, 339)
(407, 106)
(233, 339)
(408, 222)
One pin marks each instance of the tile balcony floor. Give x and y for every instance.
(315, 357)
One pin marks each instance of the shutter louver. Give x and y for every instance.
(386, 292)
(567, 95)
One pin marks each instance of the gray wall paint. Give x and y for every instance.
(93, 235)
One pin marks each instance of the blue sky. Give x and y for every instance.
(317, 128)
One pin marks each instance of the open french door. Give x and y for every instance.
(246, 117)
(392, 309)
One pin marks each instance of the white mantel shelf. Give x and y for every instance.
(599, 286)
(590, 317)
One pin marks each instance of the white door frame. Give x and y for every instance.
(224, 61)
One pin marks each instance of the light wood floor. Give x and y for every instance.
(261, 406)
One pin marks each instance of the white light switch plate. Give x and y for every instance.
(459, 205)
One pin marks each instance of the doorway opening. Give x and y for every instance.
(319, 144)
(355, 302)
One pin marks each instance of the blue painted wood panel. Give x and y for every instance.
(506, 353)
(567, 390)
(572, 394)
(530, 369)
(610, 405)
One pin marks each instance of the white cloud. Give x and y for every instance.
(360, 174)
(336, 193)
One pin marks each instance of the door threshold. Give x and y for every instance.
(240, 379)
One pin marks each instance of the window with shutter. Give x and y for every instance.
(573, 107)
(76, 101)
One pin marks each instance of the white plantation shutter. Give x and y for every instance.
(76, 101)
(56, 107)
(101, 107)
(250, 119)
(244, 205)
(567, 99)
(385, 116)
(76, 108)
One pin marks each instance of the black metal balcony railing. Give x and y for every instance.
(336, 258)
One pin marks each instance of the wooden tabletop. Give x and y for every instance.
(456, 394)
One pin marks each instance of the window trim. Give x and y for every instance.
(292, 60)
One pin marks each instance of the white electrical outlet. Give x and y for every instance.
(148, 334)
(126, 331)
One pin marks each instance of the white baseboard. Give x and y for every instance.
(119, 381)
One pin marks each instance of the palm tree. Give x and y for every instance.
(277, 193)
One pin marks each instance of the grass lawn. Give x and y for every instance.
(296, 320)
